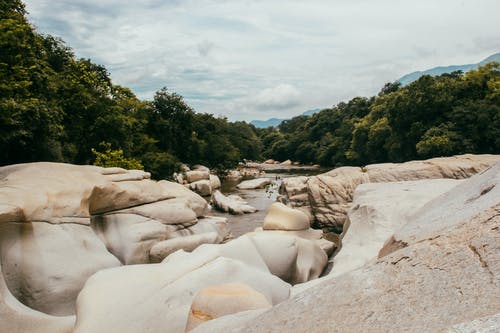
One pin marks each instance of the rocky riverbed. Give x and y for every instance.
(89, 249)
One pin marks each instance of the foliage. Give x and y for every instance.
(450, 114)
(114, 158)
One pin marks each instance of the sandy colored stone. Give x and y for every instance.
(281, 217)
(50, 192)
(233, 175)
(130, 237)
(119, 195)
(202, 187)
(444, 267)
(449, 278)
(18, 318)
(220, 300)
(215, 182)
(46, 265)
(378, 210)
(206, 224)
(293, 259)
(231, 204)
(221, 323)
(158, 296)
(197, 175)
(329, 195)
(488, 324)
(254, 183)
(162, 249)
(314, 235)
(192, 199)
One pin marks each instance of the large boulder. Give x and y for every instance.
(215, 182)
(49, 247)
(329, 195)
(281, 217)
(314, 235)
(18, 318)
(374, 217)
(229, 321)
(131, 237)
(439, 273)
(157, 297)
(46, 265)
(293, 259)
(231, 204)
(221, 300)
(197, 175)
(254, 183)
(202, 187)
(162, 249)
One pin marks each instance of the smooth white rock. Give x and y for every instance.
(46, 265)
(231, 204)
(281, 217)
(254, 183)
(158, 296)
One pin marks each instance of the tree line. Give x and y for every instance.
(445, 115)
(56, 107)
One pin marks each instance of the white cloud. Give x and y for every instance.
(279, 97)
(251, 59)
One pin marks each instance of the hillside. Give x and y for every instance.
(409, 78)
(273, 122)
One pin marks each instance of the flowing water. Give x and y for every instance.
(258, 198)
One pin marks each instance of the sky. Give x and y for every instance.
(258, 59)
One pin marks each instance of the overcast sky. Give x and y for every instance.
(257, 59)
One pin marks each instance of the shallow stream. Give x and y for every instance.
(258, 198)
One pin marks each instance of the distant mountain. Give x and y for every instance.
(409, 78)
(273, 122)
(266, 123)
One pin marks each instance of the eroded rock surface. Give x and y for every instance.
(49, 247)
(446, 280)
(254, 183)
(378, 210)
(155, 297)
(441, 274)
(232, 204)
(221, 300)
(327, 197)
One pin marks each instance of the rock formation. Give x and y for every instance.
(327, 197)
(374, 217)
(61, 223)
(254, 183)
(221, 300)
(199, 180)
(232, 204)
(438, 272)
(419, 255)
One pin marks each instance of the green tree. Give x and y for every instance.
(114, 158)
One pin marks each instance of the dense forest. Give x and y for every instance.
(434, 116)
(55, 107)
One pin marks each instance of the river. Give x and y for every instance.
(258, 198)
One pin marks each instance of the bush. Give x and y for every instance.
(114, 158)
